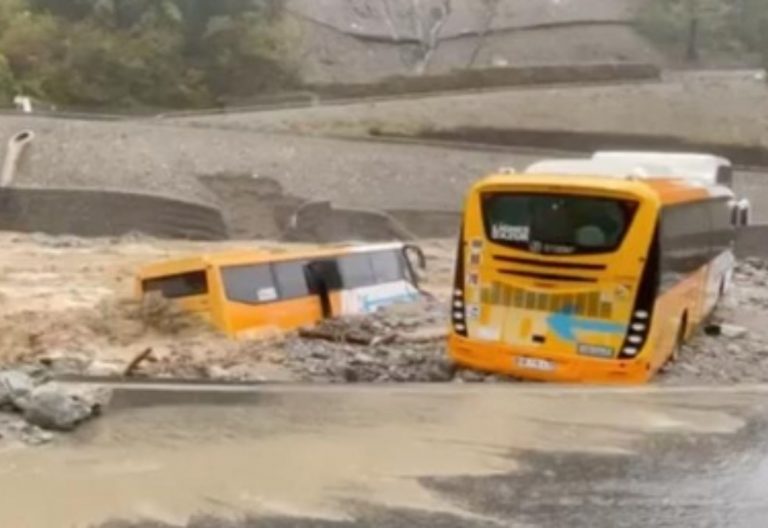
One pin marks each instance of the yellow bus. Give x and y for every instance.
(588, 270)
(243, 292)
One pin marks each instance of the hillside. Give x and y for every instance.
(343, 41)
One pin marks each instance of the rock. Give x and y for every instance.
(350, 375)
(15, 387)
(412, 357)
(712, 330)
(62, 408)
(472, 376)
(35, 436)
(216, 372)
(733, 348)
(241, 373)
(363, 359)
(424, 334)
(732, 331)
(441, 370)
(105, 369)
(62, 362)
(320, 353)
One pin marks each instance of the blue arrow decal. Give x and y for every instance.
(565, 325)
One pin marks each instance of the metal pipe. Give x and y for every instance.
(16, 146)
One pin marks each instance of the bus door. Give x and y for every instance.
(323, 277)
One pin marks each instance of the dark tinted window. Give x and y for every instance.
(389, 266)
(291, 279)
(176, 286)
(249, 284)
(556, 223)
(691, 235)
(325, 273)
(356, 271)
(725, 176)
(723, 233)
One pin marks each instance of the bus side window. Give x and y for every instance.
(292, 279)
(685, 240)
(725, 176)
(356, 271)
(178, 286)
(722, 216)
(249, 284)
(389, 266)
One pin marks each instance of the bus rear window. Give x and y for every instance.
(557, 223)
(178, 286)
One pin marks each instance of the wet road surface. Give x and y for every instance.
(441, 456)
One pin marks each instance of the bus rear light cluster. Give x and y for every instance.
(458, 312)
(637, 335)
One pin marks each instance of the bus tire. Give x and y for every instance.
(674, 357)
(721, 293)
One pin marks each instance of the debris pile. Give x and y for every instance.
(31, 406)
(733, 346)
(404, 343)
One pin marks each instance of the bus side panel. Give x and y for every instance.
(217, 301)
(679, 305)
(718, 281)
(281, 315)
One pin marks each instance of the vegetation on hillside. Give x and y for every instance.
(696, 30)
(129, 53)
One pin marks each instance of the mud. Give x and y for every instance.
(68, 304)
(303, 453)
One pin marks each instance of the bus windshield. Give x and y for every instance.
(557, 223)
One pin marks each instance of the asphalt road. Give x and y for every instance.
(435, 456)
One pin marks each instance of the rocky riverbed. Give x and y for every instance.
(67, 306)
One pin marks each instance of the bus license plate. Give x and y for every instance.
(535, 364)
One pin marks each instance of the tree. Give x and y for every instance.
(8, 86)
(690, 28)
(117, 53)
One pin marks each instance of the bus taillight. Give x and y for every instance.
(458, 308)
(636, 335)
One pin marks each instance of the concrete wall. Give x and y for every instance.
(752, 241)
(105, 213)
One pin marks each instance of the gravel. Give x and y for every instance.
(407, 344)
(733, 347)
(403, 344)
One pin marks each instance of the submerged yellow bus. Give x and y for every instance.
(246, 291)
(588, 270)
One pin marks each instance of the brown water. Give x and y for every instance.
(310, 452)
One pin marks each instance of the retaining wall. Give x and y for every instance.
(99, 213)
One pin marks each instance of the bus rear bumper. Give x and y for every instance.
(501, 359)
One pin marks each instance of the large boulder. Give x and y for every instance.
(62, 408)
(15, 388)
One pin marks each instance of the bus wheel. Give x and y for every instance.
(679, 341)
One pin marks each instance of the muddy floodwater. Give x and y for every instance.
(503, 456)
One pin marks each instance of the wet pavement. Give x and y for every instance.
(436, 456)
